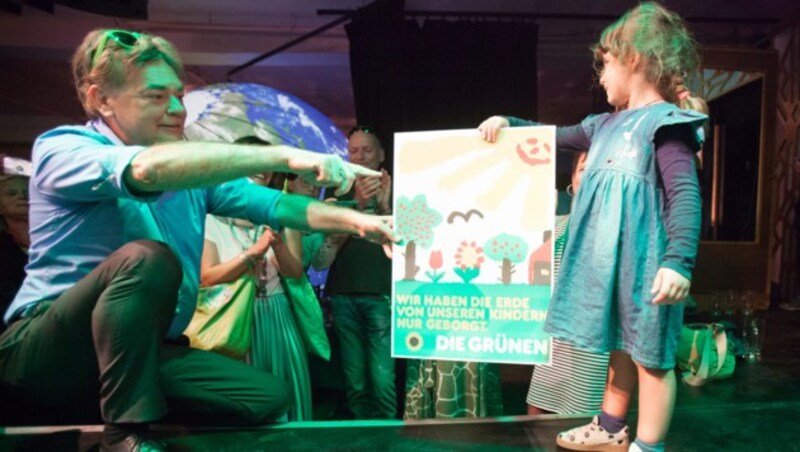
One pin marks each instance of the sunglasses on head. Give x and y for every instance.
(124, 38)
(365, 129)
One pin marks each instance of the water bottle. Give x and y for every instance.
(752, 330)
(716, 307)
(731, 300)
(754, 342)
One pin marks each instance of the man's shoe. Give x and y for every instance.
(593, 437)
(133, 443)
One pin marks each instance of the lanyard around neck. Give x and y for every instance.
(238, 231)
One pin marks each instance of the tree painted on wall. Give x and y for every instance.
(508, 250)
(415, 221)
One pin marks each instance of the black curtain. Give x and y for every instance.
(130, 9)
(411, 75)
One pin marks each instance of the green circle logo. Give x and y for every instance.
(414, 341)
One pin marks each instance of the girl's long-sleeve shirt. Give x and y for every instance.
(675, 158)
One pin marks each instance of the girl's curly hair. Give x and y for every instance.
(667, 50)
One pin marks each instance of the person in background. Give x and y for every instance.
(14, 236)
(311, 241)
(575, 381)
(359, 290)
(117, 212)
(276, 345)
(452, 389)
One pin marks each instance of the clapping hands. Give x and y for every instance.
(268, 239)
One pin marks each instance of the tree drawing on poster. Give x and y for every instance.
(508, 250)
(485, 211)
(415, 221)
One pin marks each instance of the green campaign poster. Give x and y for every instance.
(472, 277)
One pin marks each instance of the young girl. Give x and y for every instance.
(635, 225)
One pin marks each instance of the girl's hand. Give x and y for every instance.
(491, 127)
(670, 287)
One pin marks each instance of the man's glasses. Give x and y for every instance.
(126, 39)
(365, 129)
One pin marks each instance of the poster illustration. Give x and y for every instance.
(471, 279)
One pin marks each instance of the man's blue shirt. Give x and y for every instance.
(81, 211)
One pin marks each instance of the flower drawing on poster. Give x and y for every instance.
(469, 258)
(435, 262)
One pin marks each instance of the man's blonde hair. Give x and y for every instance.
(110, 69)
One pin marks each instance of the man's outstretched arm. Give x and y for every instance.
(182, 165)
(302, 212)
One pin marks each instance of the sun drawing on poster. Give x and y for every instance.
(511, 172)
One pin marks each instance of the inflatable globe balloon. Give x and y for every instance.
(230, 111)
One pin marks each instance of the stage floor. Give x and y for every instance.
(758, 409)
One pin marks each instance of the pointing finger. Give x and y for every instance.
(359, 170)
